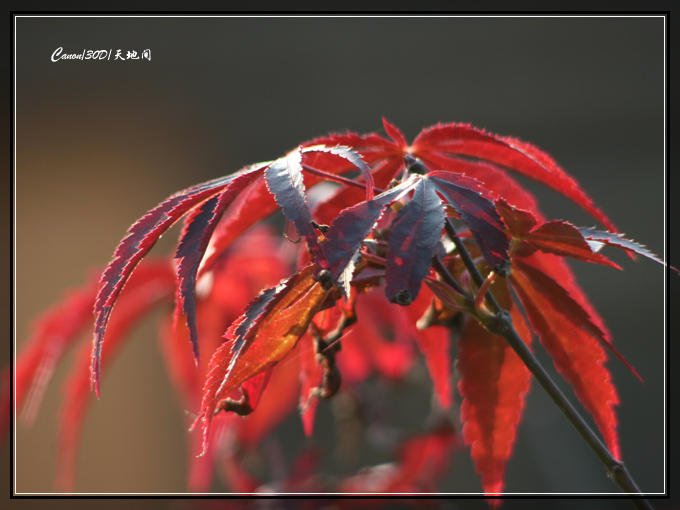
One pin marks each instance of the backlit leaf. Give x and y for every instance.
(500, 183)
(152, 283)
(493, 385)
(380, 214)
(434, 342)
(142, 236)
(261, 339)
(54, 332)
(372, 148)
(518, 221)
(347, 196)
(394, 133)
(193, 244)
(380, 342)
(574, 342)
(528, 160)
(252, 263)
(562, 238)
(251, 207)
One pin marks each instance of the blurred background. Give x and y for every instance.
(98, 143)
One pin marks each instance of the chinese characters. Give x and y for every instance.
(133, 55)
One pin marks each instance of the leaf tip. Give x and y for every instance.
(402, 298)
(206, 430)
(197, 355)
(494, 502)
(95, 386)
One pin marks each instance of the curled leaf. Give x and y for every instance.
(347, 196)
(284, 180)
(193, 244)
(372, 148)
(269, 329)
(142, 236)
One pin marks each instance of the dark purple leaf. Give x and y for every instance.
(346, 196)
(142, 236)
(284, 180)
(596, 238)
(193, 244)
(476, 208)
(352, 157)
(251, 207)
(352, 226)
(413, 241)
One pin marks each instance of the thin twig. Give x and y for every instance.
(616, 470)
(448, 279)
(502, 325)
(336, 178)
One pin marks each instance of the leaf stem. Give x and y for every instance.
(448, 278)
(336, 178)
(502, 325)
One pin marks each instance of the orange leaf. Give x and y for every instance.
(265, 334)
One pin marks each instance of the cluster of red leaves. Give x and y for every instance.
(354, 280)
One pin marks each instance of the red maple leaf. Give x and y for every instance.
(283, 324)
